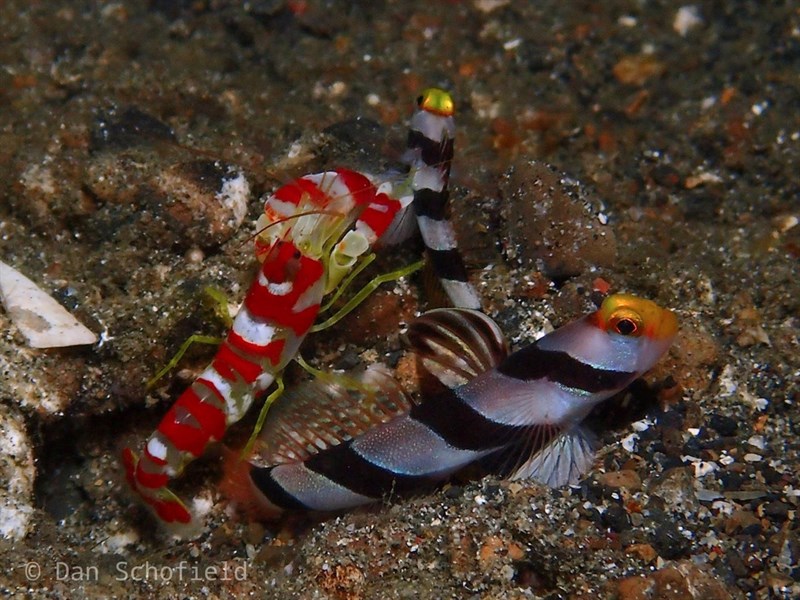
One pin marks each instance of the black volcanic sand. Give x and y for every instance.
(673, 141)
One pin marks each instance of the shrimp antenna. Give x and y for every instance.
(307, 213)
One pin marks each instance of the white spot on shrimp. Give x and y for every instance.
(156, 448)
(280, 289)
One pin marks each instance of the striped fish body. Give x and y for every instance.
(520, 412)
(429, 155)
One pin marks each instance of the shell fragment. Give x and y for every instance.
(42, 320)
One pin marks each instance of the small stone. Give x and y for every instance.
(454, 491)
(635, 588)
(127, 128)
(686, 18)
(683, 581)
(666, 176)
(254, 533)
(676, 488)
(342, 581)
(777, 510)
(637, 69)
(723, 425)
(41, 320)
(487, 6)
(644, 551)
(625, 479)
(17, 473)
(736, 564)
(616, 518)
(490, 552)
(740, 519)
(515, 551)
(669, 542)
(204, 201)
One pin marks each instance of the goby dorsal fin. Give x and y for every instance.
(455, 345)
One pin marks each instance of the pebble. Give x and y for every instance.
(637, 69)
(40, 319)
(776, 510)
(342, 581)
(683, 581)
(687, 17)
(615, 518)
(495, 549)
(739, 520)
(129, 127)
(17, 474)
(669, 542)
(148, 189)
(646, 552)
(723, 425)
(205, 201)
(624, 479)
(676, 489)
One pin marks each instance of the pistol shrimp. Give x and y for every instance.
(313, 232)
(323, 224)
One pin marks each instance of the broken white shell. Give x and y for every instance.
(42, 320)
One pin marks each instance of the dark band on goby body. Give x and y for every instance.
(431, 204)
(447, 264)
(462, 426)
(559, 367)
(342, 465)
(275, 492)
(433, 153)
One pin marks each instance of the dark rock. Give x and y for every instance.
(128, 128)
(731, 481)
(454, 491)
(616, 518)
(723, 425)
(693, 446)
(770, 475)
(670, 419)
(777, 511)
(736, 564)
(669, 542)
(492, 491)
(666, 176)
(752, 530)
(664, 461)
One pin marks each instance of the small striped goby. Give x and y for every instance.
(520, 414)
(429, 154)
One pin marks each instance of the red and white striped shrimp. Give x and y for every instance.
(314, 230)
